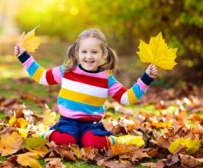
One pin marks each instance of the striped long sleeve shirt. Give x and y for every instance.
(83, 94)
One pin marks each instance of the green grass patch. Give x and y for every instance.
(80, 164)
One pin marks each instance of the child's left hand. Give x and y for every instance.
(152, 71)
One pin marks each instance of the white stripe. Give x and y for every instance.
(84, 88)
(43, 79)
(124, 99)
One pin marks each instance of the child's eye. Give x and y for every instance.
(94, 52)
(84, 52)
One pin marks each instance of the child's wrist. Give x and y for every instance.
(147, 79)
(23, 57)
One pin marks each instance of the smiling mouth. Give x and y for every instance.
(89, 62)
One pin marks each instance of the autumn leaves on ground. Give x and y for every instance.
(169, 120)
(170, 126)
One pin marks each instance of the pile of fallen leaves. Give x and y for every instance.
(169, 140)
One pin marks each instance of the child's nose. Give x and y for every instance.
(89, 55)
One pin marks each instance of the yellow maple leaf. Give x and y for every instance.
(157, 52)
(130, 140)
(76, 150)
(10, 143)
(174, 145)
(29, 41)
(192, 146)
(29, 159)
(23, 132)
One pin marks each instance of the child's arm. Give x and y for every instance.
(40, 75)
(130, 96)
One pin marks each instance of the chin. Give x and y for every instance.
(90, 70)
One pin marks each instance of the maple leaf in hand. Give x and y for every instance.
(158, 53)
(29, 41)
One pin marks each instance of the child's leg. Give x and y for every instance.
(61, 138)
(96, 141)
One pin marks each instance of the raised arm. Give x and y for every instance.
(132, 95)
(40, 75)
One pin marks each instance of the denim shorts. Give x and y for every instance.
(77, 128)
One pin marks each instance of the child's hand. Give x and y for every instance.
(152, 71)
(18, 49)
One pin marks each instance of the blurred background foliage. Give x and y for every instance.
(125, 23)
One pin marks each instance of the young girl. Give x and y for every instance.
(86, 81)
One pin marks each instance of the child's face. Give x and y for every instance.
(90, 53)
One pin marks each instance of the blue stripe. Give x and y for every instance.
(61, 70)
(111, 81)
(137, 91)
(32, 68)
(80, 106)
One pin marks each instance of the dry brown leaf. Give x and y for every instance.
(7, 164)
(149, 164)
(54, 163)
(139, 154)
(88, 153)
(114, 164)
(189, 161)
(69, 155)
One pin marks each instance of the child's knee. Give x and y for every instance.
(61, 138)
(96, 141)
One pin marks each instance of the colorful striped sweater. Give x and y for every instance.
(83, 94)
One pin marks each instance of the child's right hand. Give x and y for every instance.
(18, 49)
(152, 71)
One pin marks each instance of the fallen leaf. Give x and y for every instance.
(149, 164)
(191, 145)
(10, 143)
(29, 159)
(34, 142)
(88, 153)
(189, 161)
(54, 163)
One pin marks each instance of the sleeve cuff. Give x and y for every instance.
(23, 57)
(147, 79)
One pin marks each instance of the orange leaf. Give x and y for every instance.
(118, 149)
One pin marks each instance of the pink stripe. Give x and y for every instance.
(78, 114)
(57, 74)
(114, 89)
(103, 74)
(27, 63)
(142, 85)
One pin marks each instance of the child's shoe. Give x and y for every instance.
(127, 139)
(47, 134)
